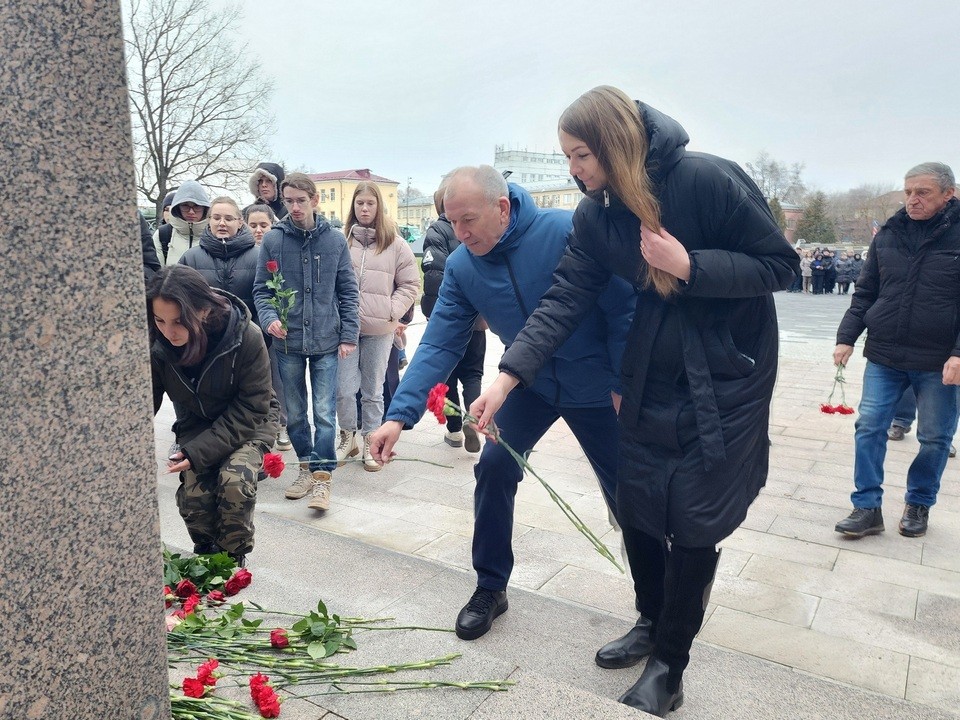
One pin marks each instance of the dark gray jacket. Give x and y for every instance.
(316, 264)
(229, 265)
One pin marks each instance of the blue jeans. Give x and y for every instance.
(523, 419)
(323, 384)
(936, 424)
(906, 410)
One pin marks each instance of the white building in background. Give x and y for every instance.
(555, 193)
(530, 167)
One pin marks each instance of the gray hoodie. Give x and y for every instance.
(185, 234)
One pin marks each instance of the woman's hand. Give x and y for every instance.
(664, 252)
(345, 349)
(177, 463)
(276, 329)
(486, 406)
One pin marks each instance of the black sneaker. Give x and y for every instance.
(896, 432)
(914, 520)
(862, 521)
(478, 615)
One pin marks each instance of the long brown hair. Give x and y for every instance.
(608, 121)
(384, 227)
(188, 289)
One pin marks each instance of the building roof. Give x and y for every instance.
(549, 185)
(361, 174)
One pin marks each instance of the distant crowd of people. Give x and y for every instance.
(645, 320)
(822, 272)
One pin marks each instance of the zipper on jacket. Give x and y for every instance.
(316, 259)
(606, 199)
(516, 289)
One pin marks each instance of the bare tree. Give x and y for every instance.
(199, 107)
(855, 211)
(776, 180)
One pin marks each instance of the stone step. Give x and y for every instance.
(544, 643)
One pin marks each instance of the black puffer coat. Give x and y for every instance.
(438, 242)
(908, 300)
(230, 403)
(724, 316)
(229, 265)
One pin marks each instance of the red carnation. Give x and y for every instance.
(844, 409)
(185, 589)
(272, 266)
(240, 579)
(827, 408)
(258, 680)
(215, 596)
(192, 687)
(190, 604)
(273, 464)
(436, 402)
(278, 638)
(270, 707)
(205, 672)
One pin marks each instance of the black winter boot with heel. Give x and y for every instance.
(687, 584)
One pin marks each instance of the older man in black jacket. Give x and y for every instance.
(908, 300)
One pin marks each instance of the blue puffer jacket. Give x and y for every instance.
(316, 263)
(504, 286)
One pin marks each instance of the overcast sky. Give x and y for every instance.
(857, 91)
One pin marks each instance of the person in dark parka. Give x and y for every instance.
(700, 365)
(227, 255)
(265, 182)
(151, 263)
(210, 359)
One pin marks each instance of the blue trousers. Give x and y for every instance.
(936, 424)
(522, 420)
(323, 386)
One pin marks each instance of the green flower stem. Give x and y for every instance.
(392, 686)
(561, 503)
(360, 460)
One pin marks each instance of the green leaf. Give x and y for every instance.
(350, 643)
(301, 625)
(331, 646)
(316, 650)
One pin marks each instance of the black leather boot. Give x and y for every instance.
(651, 692)
(628, 650)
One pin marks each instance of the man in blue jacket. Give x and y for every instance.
(509, 251)
(323, 326)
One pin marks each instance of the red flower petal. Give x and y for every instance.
(273, 464)
(278, 638)
(192, 687)
(272, 266)
(829, 409)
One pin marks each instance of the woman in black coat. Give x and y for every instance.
(695, 236)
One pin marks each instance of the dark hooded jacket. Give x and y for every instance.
(719, 332)
(274, 172)
(229, 265)
(151, 263)
(907, 296)
(228, 401)
(438, 242)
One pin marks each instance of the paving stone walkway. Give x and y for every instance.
(881, 614)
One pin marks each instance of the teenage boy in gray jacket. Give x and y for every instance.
(322, 326)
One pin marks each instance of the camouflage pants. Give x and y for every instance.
(217, 505)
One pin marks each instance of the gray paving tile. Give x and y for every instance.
(833, 584)
(824, 655)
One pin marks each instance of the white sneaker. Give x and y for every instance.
(301, 486)
(322, 485)
(347, 447)
(454, 439)
(283, 440)
(369, 464)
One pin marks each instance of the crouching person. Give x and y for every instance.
(210, 359)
